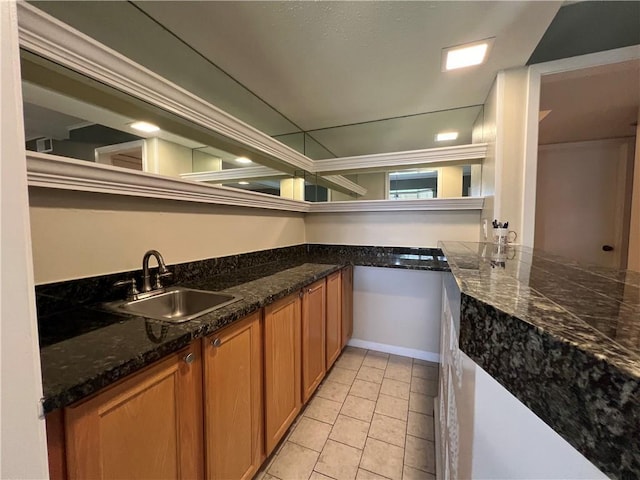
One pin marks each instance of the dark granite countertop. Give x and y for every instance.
(85, 347)
(79, 366)
(563, 338)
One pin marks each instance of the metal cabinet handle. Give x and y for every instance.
(216, 342)
(189, 358)
(301, 294)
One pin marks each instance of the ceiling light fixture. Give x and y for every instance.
(446, 136)
(466, 55)
(243, 160)
(243, 183)
(145, 127)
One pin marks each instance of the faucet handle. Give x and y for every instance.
(161, 274)
(131, 283)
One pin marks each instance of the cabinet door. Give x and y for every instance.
(347, 304)
(147, 426)
(313, 348)
(55, 445)
(233, 400)
(282, 376)
(334, 314)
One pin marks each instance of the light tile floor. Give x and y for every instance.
(371, 418)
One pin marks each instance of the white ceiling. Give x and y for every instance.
(322, 64)
(590, 104)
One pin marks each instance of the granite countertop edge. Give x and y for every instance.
(581, 383)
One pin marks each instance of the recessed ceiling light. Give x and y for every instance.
(243, 183)
(446, 136)
(243, 160)
(145, 127)
(466, 55)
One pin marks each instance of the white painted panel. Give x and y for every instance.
(398, 307)
(23, 448)
(511, 442)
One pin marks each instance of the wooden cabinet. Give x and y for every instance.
(313, 333)
(149, 425)
(215, 409)
(347, 304)
(55, 445)
(282, 362)
(233, 400)
(334, 321)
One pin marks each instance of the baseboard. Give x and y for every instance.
(395, 350)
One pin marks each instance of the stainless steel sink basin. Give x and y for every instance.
(175, 304)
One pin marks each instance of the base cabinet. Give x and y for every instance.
(347, 304)
(313, 337)
(282, 367)
(147, 426)
(334, 318)
(233, 400)
(213, 410)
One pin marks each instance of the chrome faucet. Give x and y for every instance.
(162, 271)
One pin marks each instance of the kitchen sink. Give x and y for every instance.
(175, 304)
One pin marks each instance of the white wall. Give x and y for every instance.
(23, 450)
(450, 182)
(397, 311)
(78, 234)
(413, 229)
(634, 228)
(509, 172)
(377, 185)
(586, 185)
(167, 158)
(485, 131)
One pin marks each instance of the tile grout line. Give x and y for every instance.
(369, 423)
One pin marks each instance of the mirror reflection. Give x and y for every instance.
(413, 132)
(70, 115)
(409, 184)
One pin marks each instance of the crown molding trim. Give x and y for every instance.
(233, 174)
(343, 182)
(50, 171)
(248, 173)
(432, 204)
(473, 153)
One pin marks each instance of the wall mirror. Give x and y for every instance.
(69, 114)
